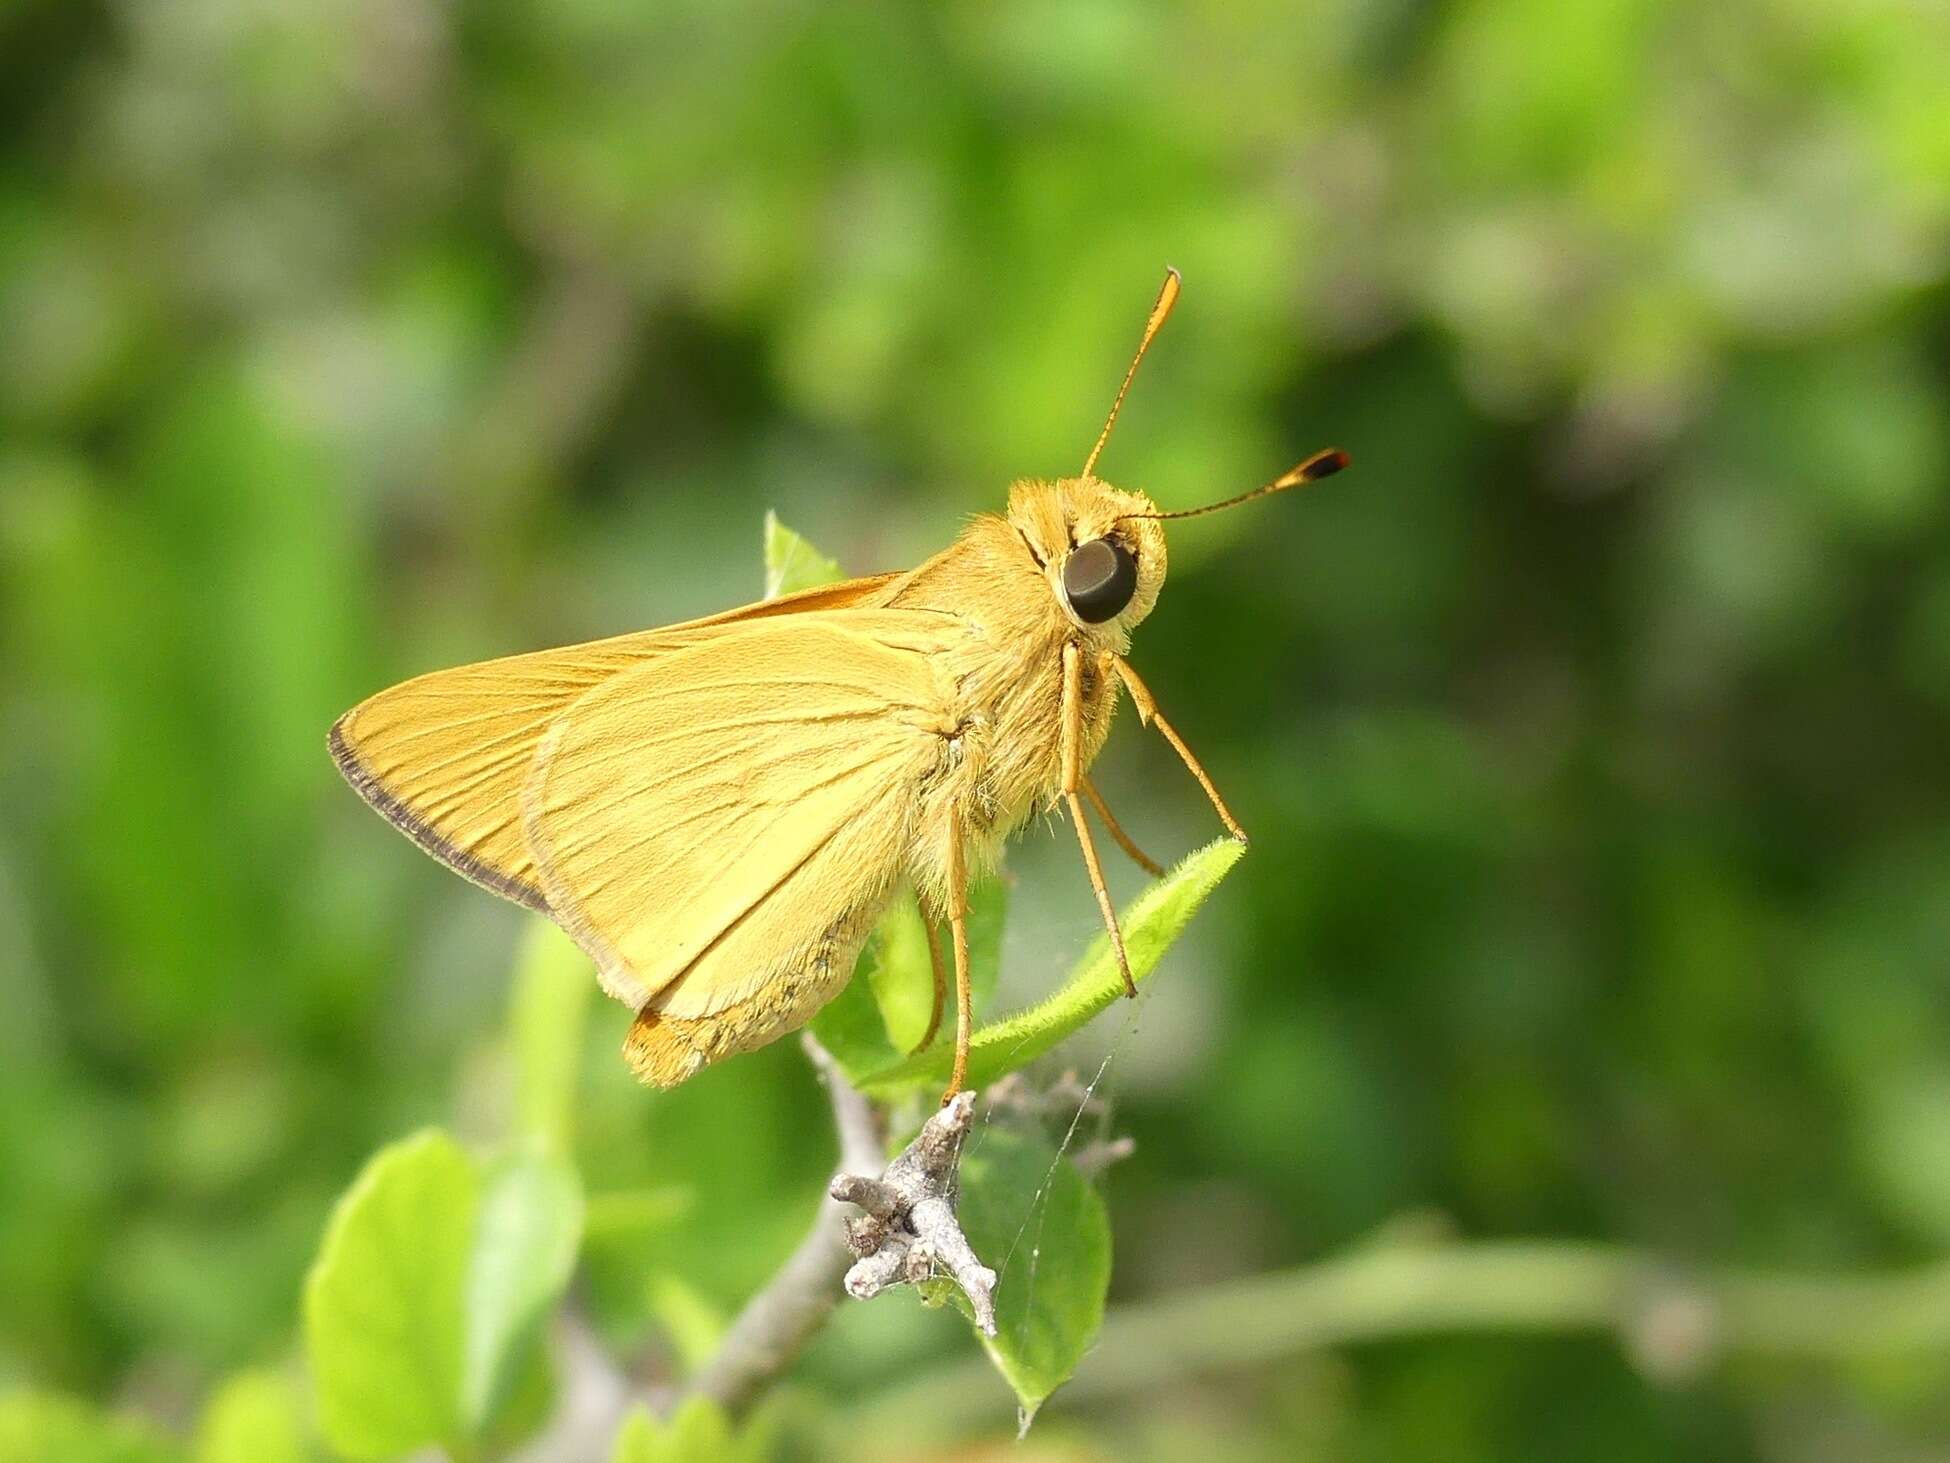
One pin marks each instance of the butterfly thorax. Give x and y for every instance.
(1003, 675)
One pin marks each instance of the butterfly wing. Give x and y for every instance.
(718, 827)
(445, 756)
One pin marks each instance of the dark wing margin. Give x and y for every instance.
(369, 787)
(443, 756)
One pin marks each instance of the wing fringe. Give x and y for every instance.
(368, 786)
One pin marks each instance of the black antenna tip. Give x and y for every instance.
(1323, 465)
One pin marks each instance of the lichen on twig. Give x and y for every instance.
(908, 1230)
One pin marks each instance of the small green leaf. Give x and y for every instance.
(691, 1322)
(988, 912)
(385, 1303)
(792, 564)
(423, 1310)
(631, 1213)
(851, 1027)
(883, 1011)
(524, 1407)
(1041, 1224)
(524, 1248)
(900, 973)
(1150, 924)
(547, 1010)
(42, 1427)
(255, 1417)
(698, 1433)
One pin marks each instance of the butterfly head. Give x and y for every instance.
(1101, 549)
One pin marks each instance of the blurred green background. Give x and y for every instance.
(1592, 733)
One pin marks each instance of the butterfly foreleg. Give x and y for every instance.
(1131, 850)
(1149, 715)
(1072, 748)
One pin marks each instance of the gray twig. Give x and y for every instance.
(1093, 1158)
(776, 1323)
(908, 1230)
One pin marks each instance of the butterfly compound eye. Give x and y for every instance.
(1099, 579)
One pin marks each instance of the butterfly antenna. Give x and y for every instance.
(1167, 297)
(1320, 465)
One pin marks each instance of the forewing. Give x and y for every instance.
(445, 756)
(717, 826)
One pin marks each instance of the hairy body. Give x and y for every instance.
(591, 782)
(717, 812)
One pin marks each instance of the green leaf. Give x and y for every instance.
(1150, 923)
(631, 1213)
(547, 1010)
(424, 1310)
(851, 1027)
(526, 1404)
(901, 973)
(698, 1433)
(988, 912)
(792, 564)
(386, 1300)
(1041, 1224)
(255, 1417)
(41, 1427)
(525, 1240)
(883, 1011)
(691, 1322)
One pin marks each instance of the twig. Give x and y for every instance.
(592, 1398)
(1673, 1324)
(1091, 1159)
(776, 1323)
(910, 1226)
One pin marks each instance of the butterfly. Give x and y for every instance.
(719, 811)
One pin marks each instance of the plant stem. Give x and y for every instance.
(776, 1324)
(1672, 1323)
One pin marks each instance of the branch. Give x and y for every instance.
(910, 1226)
(593, 1396)
(776, 1324)
(1672, 1324)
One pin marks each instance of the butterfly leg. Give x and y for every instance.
(964, 991)
(1148, 713)
(940, 982)
(1072, 780)
(1131, 850)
